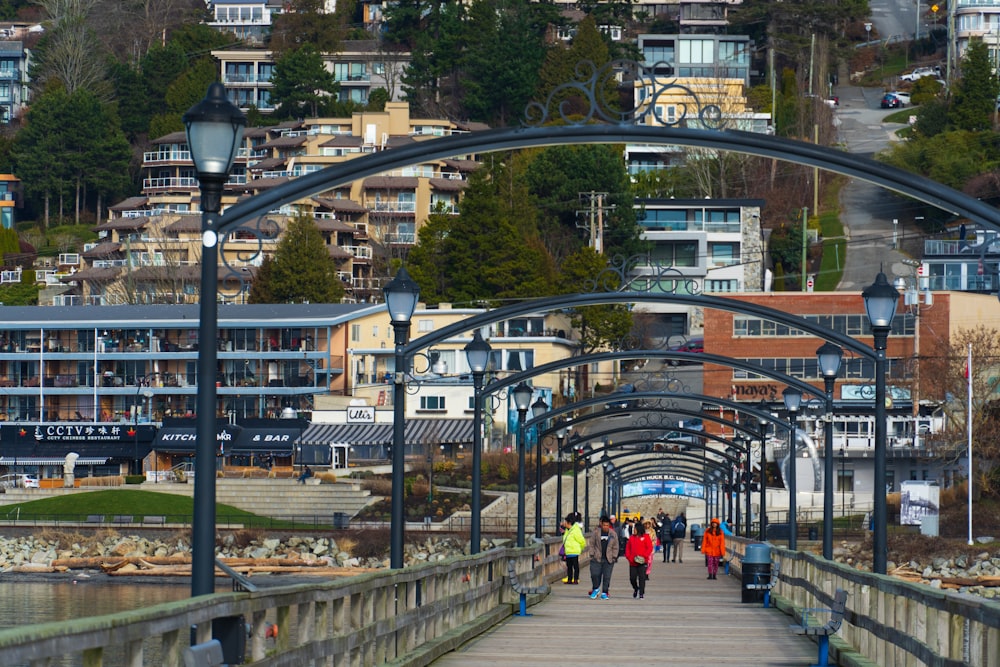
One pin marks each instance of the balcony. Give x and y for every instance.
(171, 183)
(359, 251)
(156, 157)
(394, 207)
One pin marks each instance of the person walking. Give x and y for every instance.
(649, 531)
(602, 547)
(666, 539)
(678, 529)
(713, 545)
(696, 534)
(573, 545)
(639, 554)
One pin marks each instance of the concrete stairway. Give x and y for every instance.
(275, 498)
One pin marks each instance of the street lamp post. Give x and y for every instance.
(560, 437)
(829, 356)
(793, 399)
(762, 423)
(843, 482)
(214, 129)
(522, 400)
(401, 295)
(477, 353)
(577, 453)
(586, 494)
(881, 299)
(538, 408)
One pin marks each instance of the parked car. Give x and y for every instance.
(904, 97)
(920, 73)
(693, 344)
(20, 481)
(890, 101)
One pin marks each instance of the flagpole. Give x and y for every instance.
(968, 423)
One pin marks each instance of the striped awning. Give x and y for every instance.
(418, 431)
(43, 461)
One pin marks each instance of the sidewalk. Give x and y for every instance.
(685, 620)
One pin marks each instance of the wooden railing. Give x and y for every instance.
(408, 617)
(888, 621)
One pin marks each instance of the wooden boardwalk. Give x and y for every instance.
(685, 620)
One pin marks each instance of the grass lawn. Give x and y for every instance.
(128, 502)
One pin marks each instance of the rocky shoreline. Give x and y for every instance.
(52, 553)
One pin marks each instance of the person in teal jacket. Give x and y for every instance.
(573, 545)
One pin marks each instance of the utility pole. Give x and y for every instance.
(595, 217)
(805, 243)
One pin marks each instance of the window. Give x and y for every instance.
(845, 481)
(697, 51)
(676, 253)
(724, 254)
(424, 326)
(432, 403)
(355, 333)
(374, 331)
(378, 68)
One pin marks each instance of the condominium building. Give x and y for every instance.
(15, 60)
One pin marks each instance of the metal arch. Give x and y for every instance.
(563, 301)
(682, 457)
(733, 405)
(768, 146)
(651, 439)
(636, 468)
(605, 452)
(653, 410)
(719, 360)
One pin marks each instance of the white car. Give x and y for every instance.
(903, 97)
(920, 73)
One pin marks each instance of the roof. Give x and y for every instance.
(448, 184)
(268, 164)
(391, 183)
(462, 165)
(343, 141)
(340, 204)
(336, 252)
(130, 203)
(122, 223)
(327, 225)
(102, 249)
(93, 274)
(183, 315)
(285, 142)
(172, 138)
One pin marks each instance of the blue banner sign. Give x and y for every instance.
(663, 487)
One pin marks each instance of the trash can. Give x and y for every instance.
(813, 533)
(339, 520)
(756, 570)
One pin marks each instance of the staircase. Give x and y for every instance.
(275, 498)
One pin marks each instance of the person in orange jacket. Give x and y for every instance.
(713, 546)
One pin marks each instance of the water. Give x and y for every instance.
(24, 603)
(28, 602)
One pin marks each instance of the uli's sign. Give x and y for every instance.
(361, 414)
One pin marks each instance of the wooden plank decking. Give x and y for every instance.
(685, 620)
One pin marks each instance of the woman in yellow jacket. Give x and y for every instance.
(713, 546)
(573, 545)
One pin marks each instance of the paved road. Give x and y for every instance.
(684, 621)
(867, 210)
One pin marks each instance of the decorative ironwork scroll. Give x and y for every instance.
(640, 273)
(234, 272)
(592, 97)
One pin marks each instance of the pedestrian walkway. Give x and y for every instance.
(685, 620)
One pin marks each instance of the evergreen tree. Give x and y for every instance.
(501, 64)
(588, 45)
(490, 252)
(302, 84)
(601, 327)
(306, 24)
(975, 97)
(302, 270)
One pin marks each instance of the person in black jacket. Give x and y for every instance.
(666, 539)
(678, 530)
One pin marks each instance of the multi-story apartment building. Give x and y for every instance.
(439, 405)
(15, 60)
(150, 245)
(699, 245)
(10, 190)
(915, 405)
(247, 20)
(360, 67)
(108, 376)
(965, 262)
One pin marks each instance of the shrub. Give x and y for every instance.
(378, 487)
(326, 477)
(135, 479)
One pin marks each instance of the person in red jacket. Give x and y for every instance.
(638, 553)
(713, 545)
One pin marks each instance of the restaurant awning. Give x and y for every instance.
(39, 461)
(418, 431)
(183, 439)
(274, 440)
